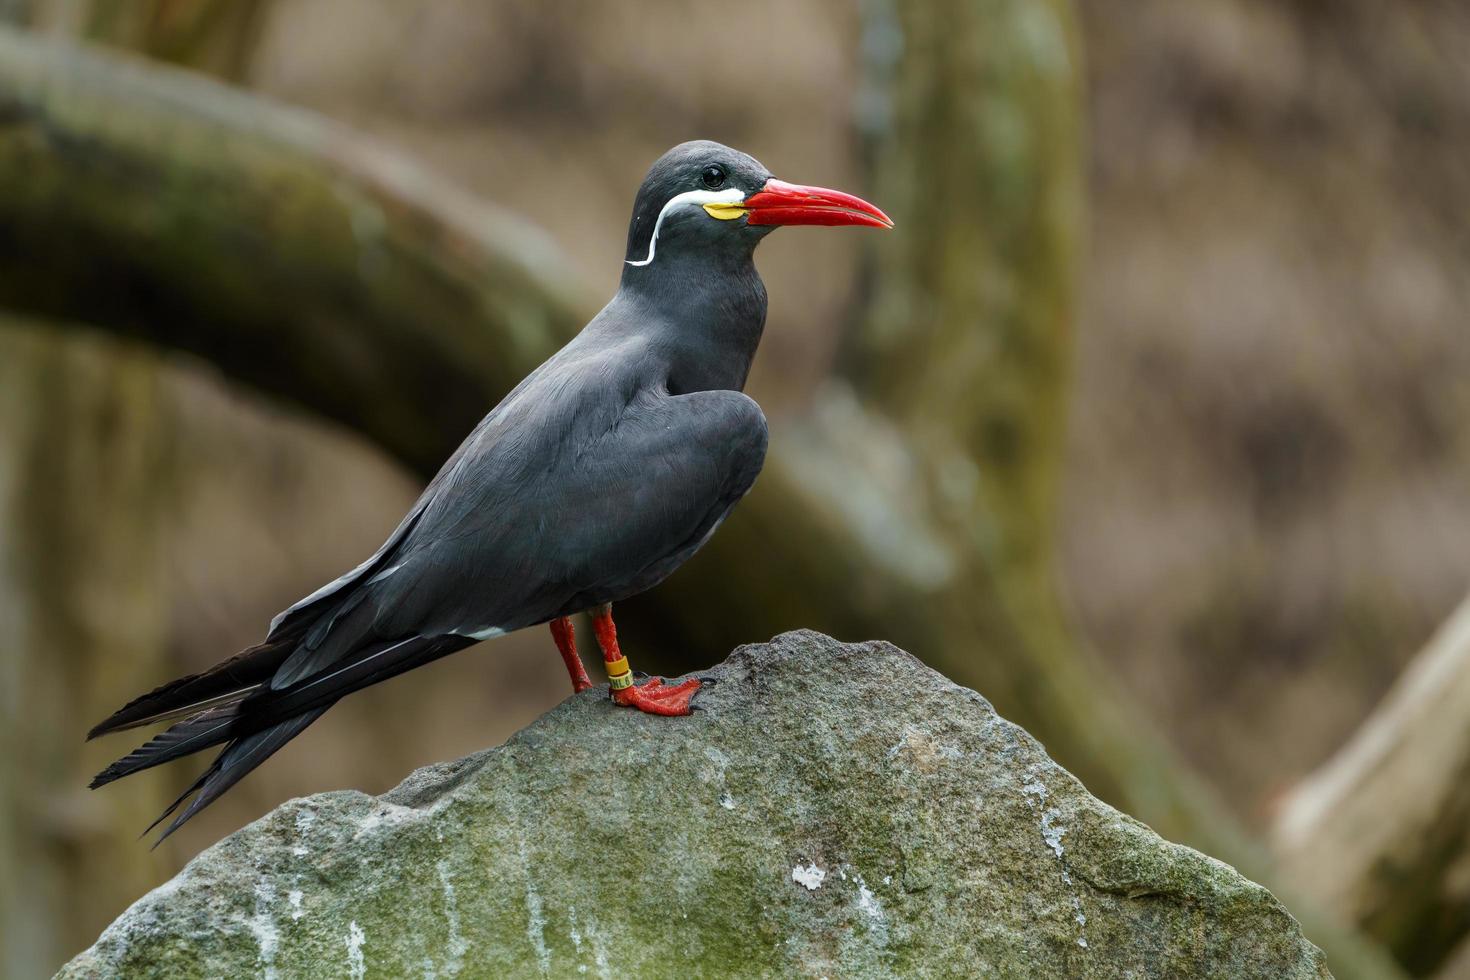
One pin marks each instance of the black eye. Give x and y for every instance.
(713, 176)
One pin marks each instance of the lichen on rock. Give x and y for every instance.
(807, 822)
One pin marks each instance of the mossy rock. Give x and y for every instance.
(834, 810)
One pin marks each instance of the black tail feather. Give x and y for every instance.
(197, 692)
(184, 738)
(254, 710)
(235, 705)
(179, 800)
(231, 765)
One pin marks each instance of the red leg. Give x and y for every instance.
(566, 644)
(654, 697)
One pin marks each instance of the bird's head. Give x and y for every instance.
(702, 199)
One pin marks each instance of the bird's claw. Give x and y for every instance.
(658, 698)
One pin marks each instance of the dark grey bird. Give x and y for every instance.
(601, 473)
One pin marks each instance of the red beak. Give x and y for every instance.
(780, 203)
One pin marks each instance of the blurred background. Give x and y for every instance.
(1147, 421)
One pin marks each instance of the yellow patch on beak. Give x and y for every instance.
(725, 210)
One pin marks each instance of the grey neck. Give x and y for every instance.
(704, 315)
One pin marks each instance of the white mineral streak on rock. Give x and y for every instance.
(263, 927)
(715, 773)
(536, 921)
(1052, 832)
(457, 945)
(867, 902)
(869, 905)
(810, 876)
(1078, 914)
(599, 951)
(356, 961)
(304, 820)
(576, 934)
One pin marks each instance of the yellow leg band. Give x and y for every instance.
(619, 675)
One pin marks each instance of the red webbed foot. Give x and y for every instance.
(658, 698)
(654, 697)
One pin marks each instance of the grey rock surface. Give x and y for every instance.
(834, 810)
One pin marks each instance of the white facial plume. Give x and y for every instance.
(730, 195)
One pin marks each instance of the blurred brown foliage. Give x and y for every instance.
(1266, 495)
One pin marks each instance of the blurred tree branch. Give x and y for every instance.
(299, 257)
(1380, 834)
(913, 503)
(216, 36)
